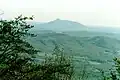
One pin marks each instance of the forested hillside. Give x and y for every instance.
(95, 52)
(56, 55)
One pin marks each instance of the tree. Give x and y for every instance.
(114, 72)
(16, 55)
(57, 66)
(15, 51)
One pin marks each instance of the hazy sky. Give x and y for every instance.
(89, 12)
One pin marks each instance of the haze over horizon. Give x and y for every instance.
(88, 12)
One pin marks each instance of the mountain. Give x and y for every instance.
(59, 25)
(79, 45)
(95, 51)
(105, 29)
(90, 46)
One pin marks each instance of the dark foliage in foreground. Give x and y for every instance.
(16, 55)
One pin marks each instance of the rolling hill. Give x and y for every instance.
(89, 47)
(96, 51)
(59, 25)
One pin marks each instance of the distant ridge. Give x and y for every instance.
(60, 25)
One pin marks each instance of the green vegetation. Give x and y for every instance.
(60, 55)
(17, 56)
(95, 51)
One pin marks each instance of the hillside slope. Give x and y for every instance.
(59, 25)
(95, 51)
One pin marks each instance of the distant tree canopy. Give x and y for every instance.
(16, 55)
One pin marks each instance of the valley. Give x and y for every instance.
(92, 51)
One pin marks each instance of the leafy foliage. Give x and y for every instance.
(17, 55)
(15, 51)
(57, 66)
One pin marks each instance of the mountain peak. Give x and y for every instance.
(57, 19)
(63, 25)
